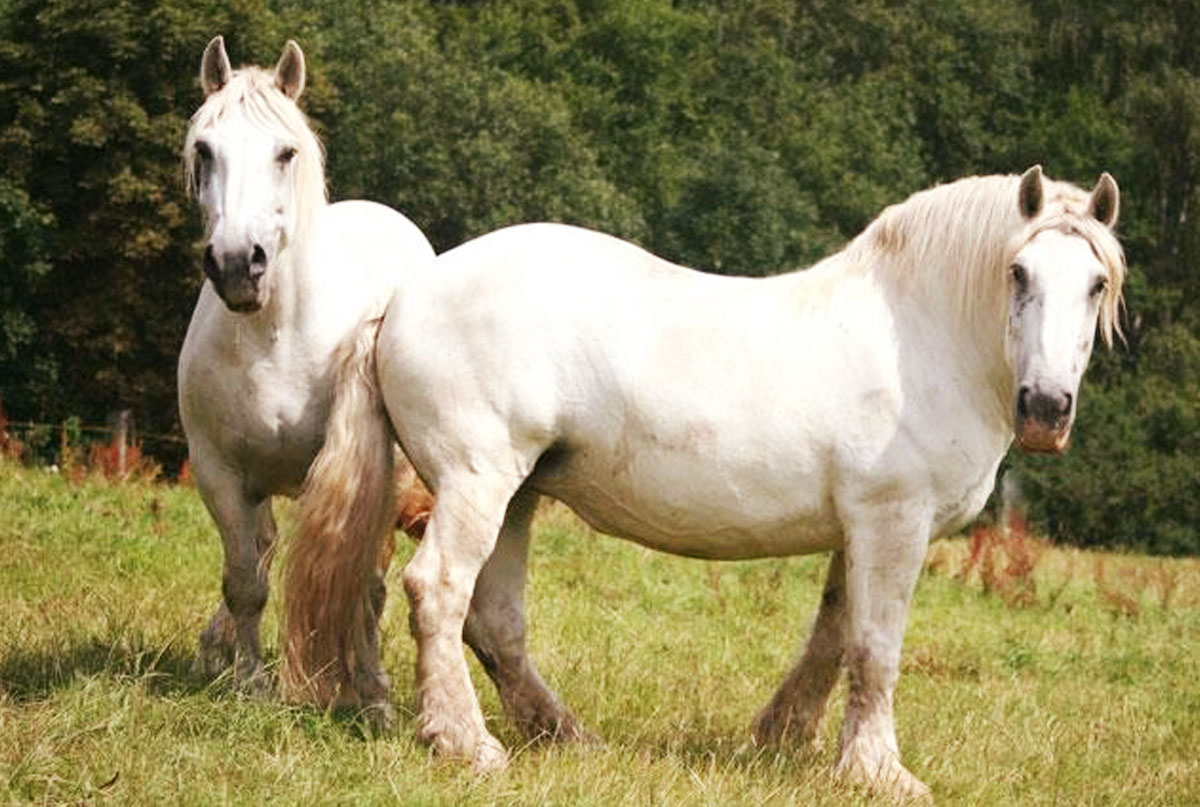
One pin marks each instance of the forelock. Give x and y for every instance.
(1068, 210)
(252, 92)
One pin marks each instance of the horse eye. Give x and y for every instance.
(286, 155)
(201, 162)
(1099, 286)
(1020, 276)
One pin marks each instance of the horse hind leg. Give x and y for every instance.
(372, 688)
(440, 580)
(798, 706)
(495, 631)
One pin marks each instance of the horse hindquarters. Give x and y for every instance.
(334, 588)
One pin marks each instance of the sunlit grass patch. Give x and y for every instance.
(1065, 698)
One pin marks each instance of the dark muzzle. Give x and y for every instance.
(237, 276)
(1043, 421)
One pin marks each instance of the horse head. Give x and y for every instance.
(1064, 278)
(253, 165)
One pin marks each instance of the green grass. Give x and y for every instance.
(1090, 695)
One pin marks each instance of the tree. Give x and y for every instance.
(737, 137)
(99, 243)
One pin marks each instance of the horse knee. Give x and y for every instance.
(245, 595)
(436, 599)
(417, 581)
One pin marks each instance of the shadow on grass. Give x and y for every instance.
(37, 672)
(696, 748)
(160, 668)
(702, 750)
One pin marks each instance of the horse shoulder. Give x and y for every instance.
(379, 228)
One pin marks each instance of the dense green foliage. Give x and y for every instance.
(744, 137)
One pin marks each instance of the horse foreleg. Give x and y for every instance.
(232, 636)
(495, 631)
(796, 710)
(218, 643)
(883, 561)
(439, 581)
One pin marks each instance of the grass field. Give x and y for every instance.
(1078, 687)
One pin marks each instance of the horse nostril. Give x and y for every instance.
(1046, 407)
(258, 262)
(211, 269)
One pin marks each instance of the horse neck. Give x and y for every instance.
(971, 350)
(295, 297)
(954, 322)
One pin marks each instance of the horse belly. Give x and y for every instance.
(697, 509)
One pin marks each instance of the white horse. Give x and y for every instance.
(860, 407)
(293, 283)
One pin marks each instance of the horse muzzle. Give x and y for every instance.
(1044, 419)
(237, 277)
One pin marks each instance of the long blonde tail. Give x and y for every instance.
(333, 578)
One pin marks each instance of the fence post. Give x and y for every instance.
(122, 426)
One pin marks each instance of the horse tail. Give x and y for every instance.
(334, 572)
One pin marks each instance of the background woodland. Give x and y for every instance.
(743, 138)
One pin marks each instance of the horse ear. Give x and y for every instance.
(1106, 200)
(1030, 195)
(289, 73)
(214, 66)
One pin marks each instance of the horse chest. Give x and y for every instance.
(269, 424)
(963, 496)
(283, 415)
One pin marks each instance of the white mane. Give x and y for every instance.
(955, 242)
(252, 92)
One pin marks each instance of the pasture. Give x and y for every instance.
(1078, 687)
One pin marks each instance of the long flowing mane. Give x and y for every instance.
(956, 241)
(252, 92)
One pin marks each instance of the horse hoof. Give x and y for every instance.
(564, 729)
(489, 757)
(580, 735)
(770, 729)
(250, 680)
(889, 778)
(379, 719)
(211, 662)
(218, 641)
(213, 655)
(574, 732)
